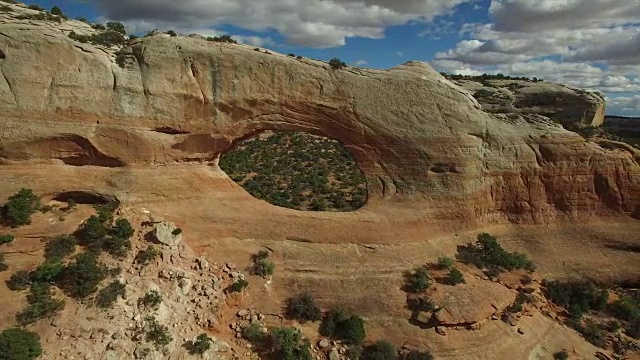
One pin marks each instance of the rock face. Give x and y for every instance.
(563, 104)
(424, 143)
(165, 233)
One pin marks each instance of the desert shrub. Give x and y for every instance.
(82, 19)
(260, 255)
(351, 330)
(561, 355)
(445, 262)
(577, 297)
(223, 38)
(18, 210)
(56, 11)
(109, 294)
(122, 229)
(117, 246)
(331, 320)
(263, 268)
(171, 33)
(487, 253)
(117, 27)
(19, 344)
(60, 247)
(418, 355)
(419, 304)
(108, 38)
(19, 281)
(418, 280)
(150, 300)
(40, 304)
(626, 308)
(254, 333)
(92, 232)
(337, 64)
(201, 345)
(291, 55)
(36, 7)
(121, 57)
(176, 232)
(81, 277)
(455, 277)
(591, 331)
(379, 350)
(49, 271)
(5, 239)
(337, 324)
(156, 333)
(98, 27)
(238, 285)
(287, 344)
(303, 307)
(147, 255)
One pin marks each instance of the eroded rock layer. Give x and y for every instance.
(419, 138)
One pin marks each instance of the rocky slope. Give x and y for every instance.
(419, 138)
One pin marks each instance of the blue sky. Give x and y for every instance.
(585, 43)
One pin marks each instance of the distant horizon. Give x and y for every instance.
(583, 43)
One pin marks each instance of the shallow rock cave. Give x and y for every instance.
(297, 170)
(85, 197)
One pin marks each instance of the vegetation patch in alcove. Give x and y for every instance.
(297, 170)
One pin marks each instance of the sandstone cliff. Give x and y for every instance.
(571, 107)
(424, 143)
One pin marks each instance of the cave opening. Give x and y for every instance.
(85, 197)
(297, 170)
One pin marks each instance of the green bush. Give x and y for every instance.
(108, 295)
(303, 308)
(19, 281)
(150, 300)
(92, 232)
(263, 268)
(122, 229)
(223, 38)
(238, 285)
(41, 304)
(56, 11)
(81, 277)
(201, 345)
(146, 256)
(18, 210)
(156, 333)
(337, 64)
(176, 232)
(171, 33)
(455, 277)
(418, 281)
(116, 246)
(48, 271)
(287, 344)
(591, 331)
(418, 355)
(60, 247)
(71, 204)
(331, 320)
(487, 253)
(254, 333)
(421, 304)
(260, 255)
(577, 297)
(19, 344)
(561, 355)
(5, 239)
(337, 324)
(445, 262)
(117, 27)
(380, 350)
